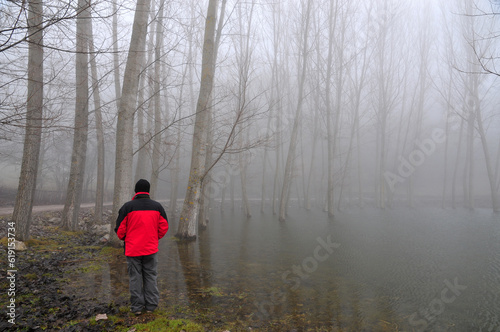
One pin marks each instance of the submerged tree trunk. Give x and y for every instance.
(243, 178)
(206, 199)
(469, 176)
(290, 161)
(155, 160)
(128, 101)
(330, 198)
(79, 154)
(189, 215)
(455, 167)
(99, 193)
(486, 151)
(34, 113)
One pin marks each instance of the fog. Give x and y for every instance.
(327, 165)
(339, 103)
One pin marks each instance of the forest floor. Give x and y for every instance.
(55, 288)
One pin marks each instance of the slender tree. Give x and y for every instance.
(99, 193)
(128, 104)
(34, 114)
(290, 161)
(189, 215)
(155, 160)
(79, 154)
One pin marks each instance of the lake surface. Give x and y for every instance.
(365, 270)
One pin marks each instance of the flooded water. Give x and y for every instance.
(366, 270)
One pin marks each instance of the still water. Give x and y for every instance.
(365, 270)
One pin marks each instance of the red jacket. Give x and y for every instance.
(141, 223)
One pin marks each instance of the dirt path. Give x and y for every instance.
(5, 211)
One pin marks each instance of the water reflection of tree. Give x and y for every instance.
(196, 277)
(109, 282)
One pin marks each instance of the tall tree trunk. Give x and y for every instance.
(189, 215)
(144, 103)
(487, 156)
(79, 154)
(455, 167)
(116, 59)
(277, 175)
(339, 77)
(177, 155)
(142, 153)
(290, 161)
(330, 198)
(271, 110)
(383, 107)
(243, 177)
(276, 184)
(469, 176)
(99, 193)
(206, 198)
(307, 202)
(155, 160)
(34, 113)
(128, 104)
(447, 143)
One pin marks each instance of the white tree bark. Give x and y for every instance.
(189, 215)
(155, 160)
(99, 200)
(128, 104)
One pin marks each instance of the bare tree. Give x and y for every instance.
(189, 215)
(79, 154)
(31, 152)
(99, 199)
(290, 161)
(155, 160)
(128, 104)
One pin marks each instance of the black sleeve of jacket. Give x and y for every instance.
(163, 213)
(121, 215)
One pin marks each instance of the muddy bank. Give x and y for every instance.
(51, 262)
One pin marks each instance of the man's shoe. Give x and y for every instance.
(137, 313)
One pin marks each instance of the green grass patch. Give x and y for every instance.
(30, 276)
(111, 251)
(71, 233)
(40, 242)
(213, 291)
(165, 324)
(87, 268)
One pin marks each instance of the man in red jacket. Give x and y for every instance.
(141, 223)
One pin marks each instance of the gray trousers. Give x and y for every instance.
(142, 272)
